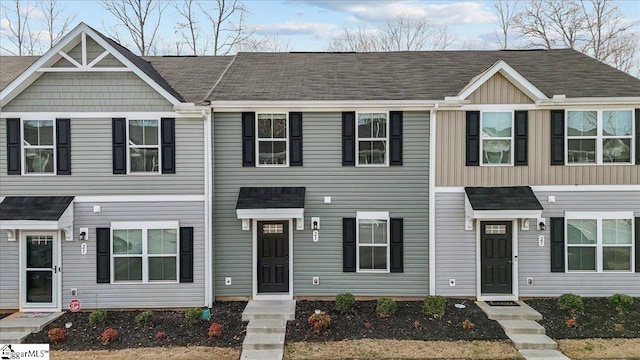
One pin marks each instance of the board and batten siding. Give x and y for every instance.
(498, 90)
(456, 248)
(9, 272)
(452, 171)
(92, 171)
(79, 271)
(401, 190)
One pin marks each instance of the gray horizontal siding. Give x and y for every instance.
(9, 272)
(401, 190)
(79, 271)
(92, 171)
(456, 248)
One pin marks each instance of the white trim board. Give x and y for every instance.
(91, 115)
(546, 188)
(140, 198)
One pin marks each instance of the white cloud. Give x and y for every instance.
(296, 28)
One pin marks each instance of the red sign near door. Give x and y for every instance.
(74, 305)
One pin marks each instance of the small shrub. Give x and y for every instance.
(109, 335)
(192, 316)
(434, 305)
(97, 317)
(215, 330)
(572, 323)
(416, 324)
(161, 335)
(319, 321)
(367, 325)
(345, 302)
(618, 327)
(144, 318)
(386, 307)
(571, 302)
(621, 302)
(588, 347)
(57, 335)
(468, 325)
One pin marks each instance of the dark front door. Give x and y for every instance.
(496, 257)
(273, 256)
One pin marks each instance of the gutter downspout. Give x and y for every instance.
(209, 275)
(432, 199)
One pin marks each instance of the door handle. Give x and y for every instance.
(510, 262)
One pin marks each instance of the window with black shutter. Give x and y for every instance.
(63, 146)
(14, 139)
(472, 143)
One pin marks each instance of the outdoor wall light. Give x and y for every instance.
(542, 224)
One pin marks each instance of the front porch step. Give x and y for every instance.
(536, 342)
(269, 309)
(263, 342)
(13, 337)
(272, 354)
(521, 327)
(267, 326)
(543, 355)
(17, 326)
(522, 312)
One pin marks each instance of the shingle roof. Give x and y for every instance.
(411, 75)
(271, 198)
(503, 198)
(12, 66)
(47, 208)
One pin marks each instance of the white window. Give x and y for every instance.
(38, 144)
(497, 138)
(599, 242)
(372, 134)
(273, 136)
(144, 146)
(144, 252)
(600, 137)
(372, 233)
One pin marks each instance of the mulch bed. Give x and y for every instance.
(400, 326)
(82, 336)
(597, 320)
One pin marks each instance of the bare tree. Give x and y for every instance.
(506, 11)
(552, 23)
(140, 18)
(268, 43)
(19, 36)
(55, 26)
(442, 38)
(359, 40)
(228, 23)
(189, 27)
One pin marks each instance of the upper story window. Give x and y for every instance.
(372, 139)
(599, 137)
(144, 146)
(39, 146)
(373, 241)
(497, 138)
(599, 242)
(272, 140)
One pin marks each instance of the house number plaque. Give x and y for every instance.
(541, 240)
(315, 236)
(83, 248)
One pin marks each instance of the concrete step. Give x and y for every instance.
(521, 327)
(522, 312)
(267, 326)
(269, 309)
(13, 337)
(263, 341)
(543, 355)
(18, 322)
(273, 354)
(536, 341)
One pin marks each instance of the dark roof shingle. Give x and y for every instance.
(46, 208)
(271, 198)
(502, 198)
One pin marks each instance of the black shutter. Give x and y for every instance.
(168, 147)
(186, 254)
(349, 140)
(520, 139)
(395, 137)
(397, 250)
(13, 147)
(248, 139)
(349, 245)
(103, 261)
(637, 235)
(557, 137)
(295, 139)
(63, 146)
(473, 138)
(557, 244)
(119, 138)
(637, 140)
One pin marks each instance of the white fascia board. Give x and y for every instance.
(324, 105)
(591, 101)
(508, 72)
(553, 188)
(29, 225)
(260, 214)
(507, 214)
(89, 115)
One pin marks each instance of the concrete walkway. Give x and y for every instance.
(266, 329)
(520, 325)
(16, 327)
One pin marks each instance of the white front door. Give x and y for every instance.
(40, 271)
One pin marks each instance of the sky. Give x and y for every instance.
(309, 25)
